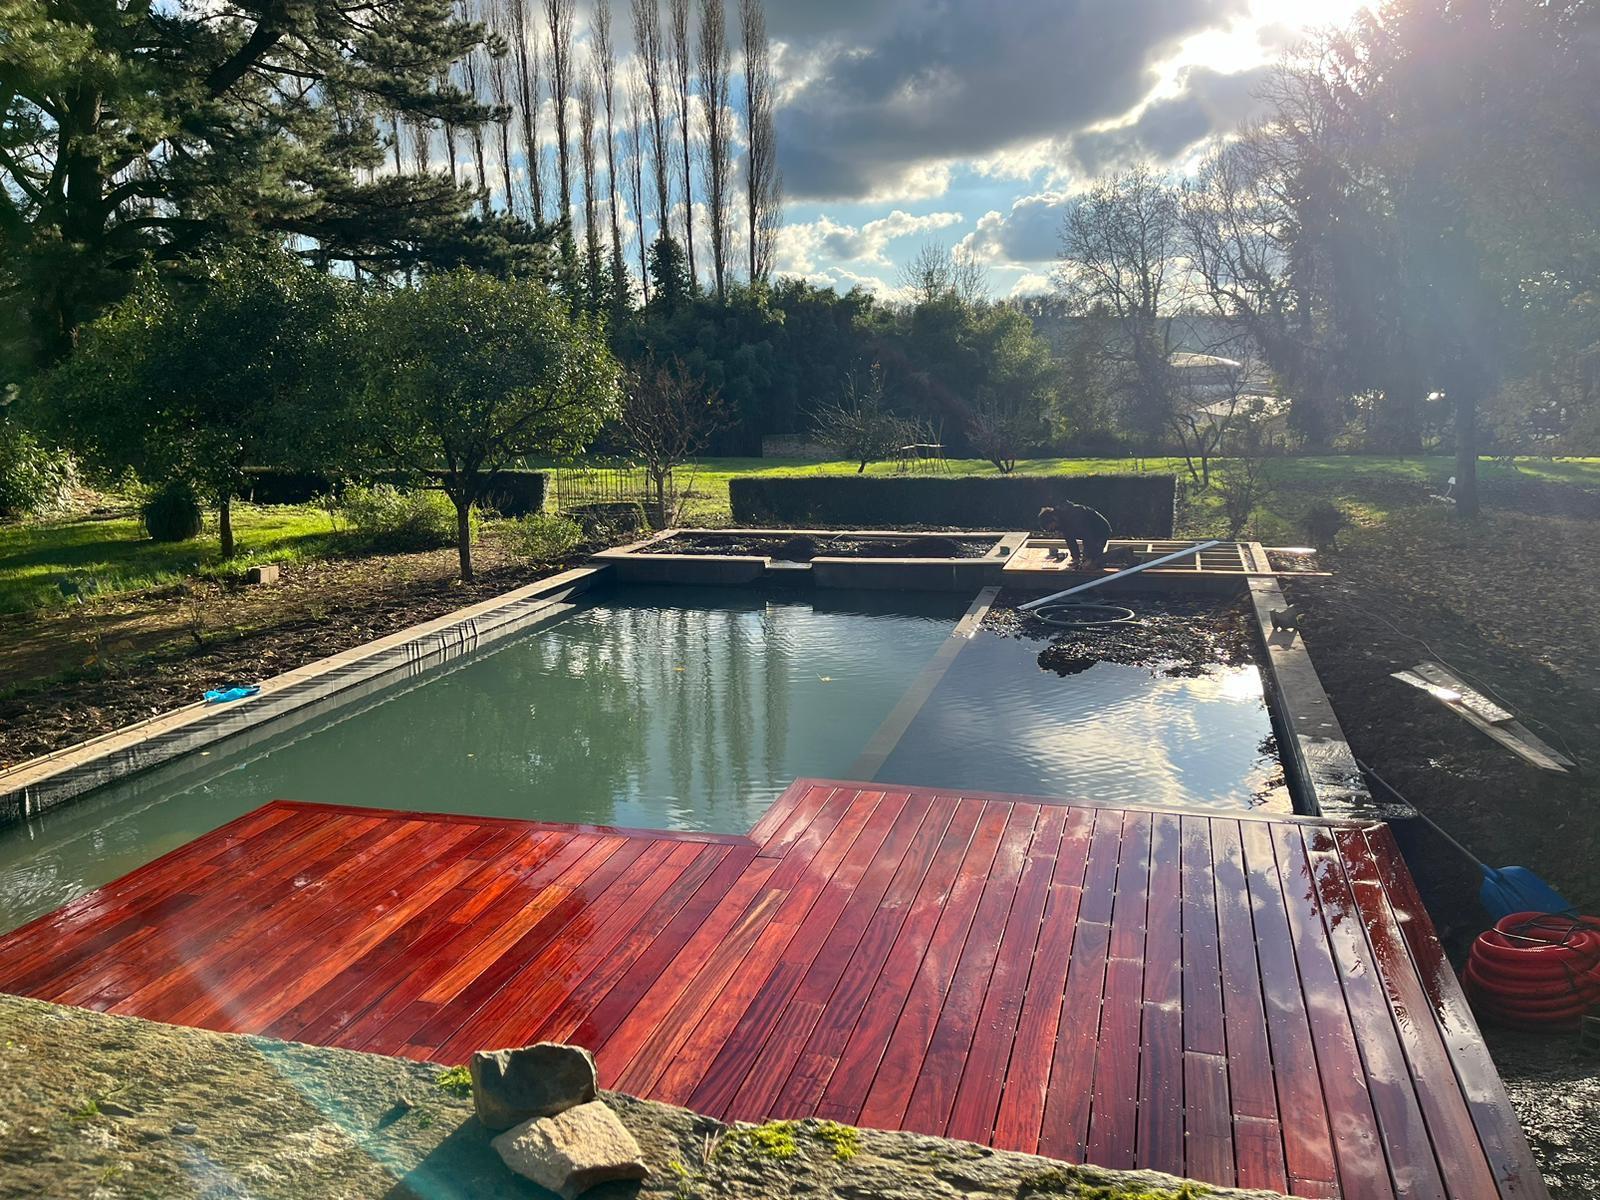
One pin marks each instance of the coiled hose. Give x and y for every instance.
(1536, 971)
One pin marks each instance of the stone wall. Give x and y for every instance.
(94, 1105)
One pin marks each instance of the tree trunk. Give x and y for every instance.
(464, 537)
(1466, 489)
(862, 469)
(225, 523)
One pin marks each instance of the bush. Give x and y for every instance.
(172, 513)
(1136, 505)
(539, 538)
(513, 493)
(386, 516)
(34, 479)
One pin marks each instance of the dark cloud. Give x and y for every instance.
(887, 87)
(1211, 102)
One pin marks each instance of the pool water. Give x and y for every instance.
(1115, 734)
(660, 708)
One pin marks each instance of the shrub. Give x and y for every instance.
(1136, 505)
(34, 479)
(384, 515)
(172, 513)
(540, 538)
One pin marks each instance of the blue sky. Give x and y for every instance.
(905, 121)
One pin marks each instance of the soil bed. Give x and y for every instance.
(803, 547)
(1168, 635)
(148, 653)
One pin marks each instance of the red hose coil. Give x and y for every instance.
(1536, 970)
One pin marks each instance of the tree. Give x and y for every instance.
(594, 269)
(647, 44)
(633, 146)
(468, 374)
(244, 361)
(669, 274)
(605, 66)
(530, 69)
(680, 63)
(938, 273)
(147, 132)
(668, 416)
(558, 20)
(718, 161)
(763, 182)
(1121, 258)
(860, 426)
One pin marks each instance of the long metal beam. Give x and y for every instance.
(1122, 574)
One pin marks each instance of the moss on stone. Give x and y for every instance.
(457, 1081)
(1075, 1184)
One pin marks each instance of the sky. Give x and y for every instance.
(973, 122)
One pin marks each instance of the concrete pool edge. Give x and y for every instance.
(888, 734)
(1317, 760)
(43, 783)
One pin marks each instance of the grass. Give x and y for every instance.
(110, 555)
(708, 504)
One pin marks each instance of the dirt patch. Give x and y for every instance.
(151, 652)
(804, 547)
(1167, 635)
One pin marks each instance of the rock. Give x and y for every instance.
(185, 1128)
(513, 1086)
(573, 1151)
(267, 573)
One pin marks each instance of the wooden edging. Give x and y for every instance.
(52, 779)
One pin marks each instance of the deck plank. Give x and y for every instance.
(1241, 997)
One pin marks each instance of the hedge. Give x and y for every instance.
(514, 493)
(1136, 505)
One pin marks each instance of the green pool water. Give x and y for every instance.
(681, 708)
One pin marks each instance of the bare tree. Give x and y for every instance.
(558, 20)
(501, 70)
(714, 72)
(586, 162)
(1121, 259)
(633, 147)
(422, 146)
(937, 272)
(446, 79)
(682, 65)
(474, 67)
(605, 61)
(529, 64)
(668, 417)
(647, 40)
(763, 184)
(860, 426)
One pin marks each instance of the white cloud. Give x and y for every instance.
(803, 247)
(1029, 234)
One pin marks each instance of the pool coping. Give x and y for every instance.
(1317, 759)
(40, 784)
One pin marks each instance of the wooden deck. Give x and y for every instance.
(1246, 1000)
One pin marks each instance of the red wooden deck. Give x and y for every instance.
(1250, 1000)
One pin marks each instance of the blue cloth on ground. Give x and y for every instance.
(222, 696)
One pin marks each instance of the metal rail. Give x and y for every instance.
(1126, 571)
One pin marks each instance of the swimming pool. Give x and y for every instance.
(661, 708)
(689, 708)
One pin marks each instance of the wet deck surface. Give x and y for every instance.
(1246, 1000)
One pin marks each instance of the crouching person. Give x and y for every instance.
(1084, 530)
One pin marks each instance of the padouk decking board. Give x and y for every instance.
(1245, 999)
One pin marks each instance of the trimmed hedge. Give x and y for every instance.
(1136, 505)
(515, 493)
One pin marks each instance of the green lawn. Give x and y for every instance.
(113, 555)
(107, 555)
(1346, 478)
